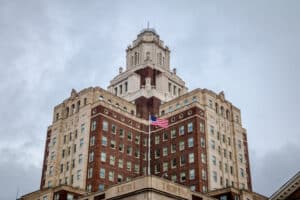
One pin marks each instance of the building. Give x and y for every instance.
(290, 190)
(99, 137)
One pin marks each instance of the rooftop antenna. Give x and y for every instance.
(148, 25)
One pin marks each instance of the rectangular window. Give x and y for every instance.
(137, 153)
(92, 141)
(190, 127)
(239, 144)
(182, 177)
(212, 144)
(78, 174)
(129, 136)
(212, 130)
(214, 160)
(191, 158)
(90, 173)
(182, 160)
(113, 144)
(120, 163)
(91, 157)
(202, 127)
(241, 158)
(121, 148)
(156, 168)
(174, 163)
(215, 176)
(173, 133)
(181, 130)
(103, 157)
(136, 169)
(112, 160)
(113, 129)
(102, 173)
(165, 166)
(105, 126)
(174, 178)
(223, 138)
(202, 142)
(128, 166)
(80, 158)
(165, 136)
(94, 125)
(157, 139)
(104, 141)
(129, 150)
(82, 128)
(157, 153)
(173, 148)
(111, 176)
(225, 153)
(242, 172)
(181, 145)
(203, 174)
(165, 151)
(192, 174)
(121, 132)
(190, 142)
(137, 139)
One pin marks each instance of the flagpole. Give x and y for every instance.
(149, 172)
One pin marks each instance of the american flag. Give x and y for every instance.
(164, 123)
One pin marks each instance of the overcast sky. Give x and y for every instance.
(250, 50)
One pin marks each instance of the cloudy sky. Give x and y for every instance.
(249, 49)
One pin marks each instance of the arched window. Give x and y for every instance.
(73, 108)
(67, 111)
(227, 114)
(135, 58)
(78, 105)
(217, 107)
(222, 111)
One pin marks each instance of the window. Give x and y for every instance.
(51, 170)
(173, 148)
(212, 144)
(215, 176)
(102, 173)
(92, 141)
(182, 177)
(181, 130)
(203, 174)
(89, 187)
(121, 147)
(229, 141)
(52, 155)
(165, 151)
(78, 174)
(120, 178)
(241, 158)
(80, 158)
(192, 174)
(65, 139)
(173, 163)
(226, 167)
(157, 139)
(113, 129)
(225, 153)
(169, 87)
(190, 142)
(203, 158)
(112, 160)
(191, 158)
(230, 155)
(129, 150)
(202, 127)
(81, 142)
(182, 160)
(54, 141)
(136, 169)
(174, 178)
(173, 133)
(223, 138)
(68, 166)
(90, 173)
(94, 125)
(223, 197)
(212, 130)
(113, 144)
(157, 153)
(239, 144)
(231, 170)
(111, 176)
(137, 153)
(121, 132)
(105, 126)
(214, 160)
(156, 168)
(104, 141)
(190, 127)
(242, 172)
(202, 142)
(128, 166)
(181, 145)
(91, 157)
(126, 86)
(120, 163)
(165, 136)
(129, 136)
(82, 128)
(103, 157)
(137, 139)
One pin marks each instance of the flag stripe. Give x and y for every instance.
(164, 123)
